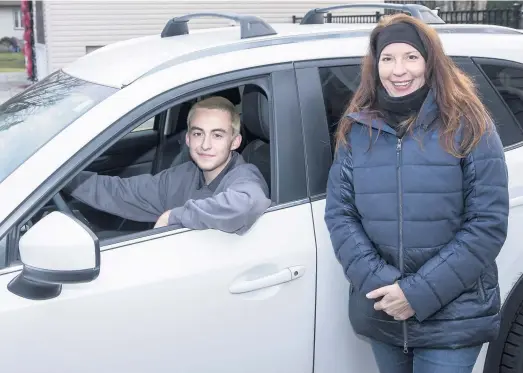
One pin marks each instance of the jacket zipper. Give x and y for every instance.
(400, 210)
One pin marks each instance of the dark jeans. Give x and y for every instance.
(392, 359)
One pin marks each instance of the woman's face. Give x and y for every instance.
(401, 69)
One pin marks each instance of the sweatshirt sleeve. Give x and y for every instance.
(361, 262)
(476, 245)
(234, 210)
(138, 198)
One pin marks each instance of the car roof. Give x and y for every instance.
(119, 64)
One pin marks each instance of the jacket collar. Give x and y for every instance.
(236, 159)
(428, 113)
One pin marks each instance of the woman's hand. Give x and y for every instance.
(393, 302)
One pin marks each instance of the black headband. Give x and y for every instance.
(399, 33)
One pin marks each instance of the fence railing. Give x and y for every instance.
(510, 17)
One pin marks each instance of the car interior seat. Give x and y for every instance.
(512, 95)
(256, 119)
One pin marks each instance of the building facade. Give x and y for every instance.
(11, 20)
(67, 30)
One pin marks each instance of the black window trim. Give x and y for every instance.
(329, 62)
(316, 137)
(485, 86)
(264, 77)
(318, 152)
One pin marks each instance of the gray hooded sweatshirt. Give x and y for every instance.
(232, 202)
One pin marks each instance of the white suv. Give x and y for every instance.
(111, 295)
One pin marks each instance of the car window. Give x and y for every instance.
(338, 83)
(147, 125)
(286, 180)
(508, 81)
(29, 120)
(104, 219)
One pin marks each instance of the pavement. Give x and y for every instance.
(11, 84)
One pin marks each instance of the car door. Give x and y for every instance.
(501, 85)
(337, 348)
(188, 301)
(325, 88)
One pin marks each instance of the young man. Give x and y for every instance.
(217, 190)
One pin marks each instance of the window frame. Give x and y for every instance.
(315, 125)
(314, 115)
(17, 17)
(499, 110)
(478, 61)
(288, 169)
(151, 125)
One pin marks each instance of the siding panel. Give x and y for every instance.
(72, 26)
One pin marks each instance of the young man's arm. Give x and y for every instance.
(138, 198)
(234, 210)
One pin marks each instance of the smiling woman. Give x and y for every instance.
(402, 58)
(417, 205)
(401, 69)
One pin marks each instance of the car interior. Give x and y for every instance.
(159, 144)
(339, 83)
(510, 86)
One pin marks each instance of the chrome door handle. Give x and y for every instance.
(283, 276)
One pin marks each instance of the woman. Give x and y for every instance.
(417, 205)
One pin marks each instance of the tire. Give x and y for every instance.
(512, 358)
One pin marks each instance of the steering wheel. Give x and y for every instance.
(59, 201)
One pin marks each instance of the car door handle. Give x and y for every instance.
(285, 275)
(518, 201)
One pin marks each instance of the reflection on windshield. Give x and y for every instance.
(29, 120)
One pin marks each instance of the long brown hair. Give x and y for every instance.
(456, 94)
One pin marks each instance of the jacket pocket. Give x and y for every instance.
(481, 290)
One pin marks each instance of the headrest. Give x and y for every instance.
(255, 111)
(179, 113)
(231, 94)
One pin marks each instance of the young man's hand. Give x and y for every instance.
(163, 220)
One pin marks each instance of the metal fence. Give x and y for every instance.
(510, 17)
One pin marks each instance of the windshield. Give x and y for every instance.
(29, 120)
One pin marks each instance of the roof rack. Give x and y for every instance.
(250, 26)
(316, 16)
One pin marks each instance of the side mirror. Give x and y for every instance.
(58, 249)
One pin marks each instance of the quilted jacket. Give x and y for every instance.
(403, 209)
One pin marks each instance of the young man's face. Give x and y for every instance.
(210, 139)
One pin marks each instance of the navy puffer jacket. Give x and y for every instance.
(405, 210)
